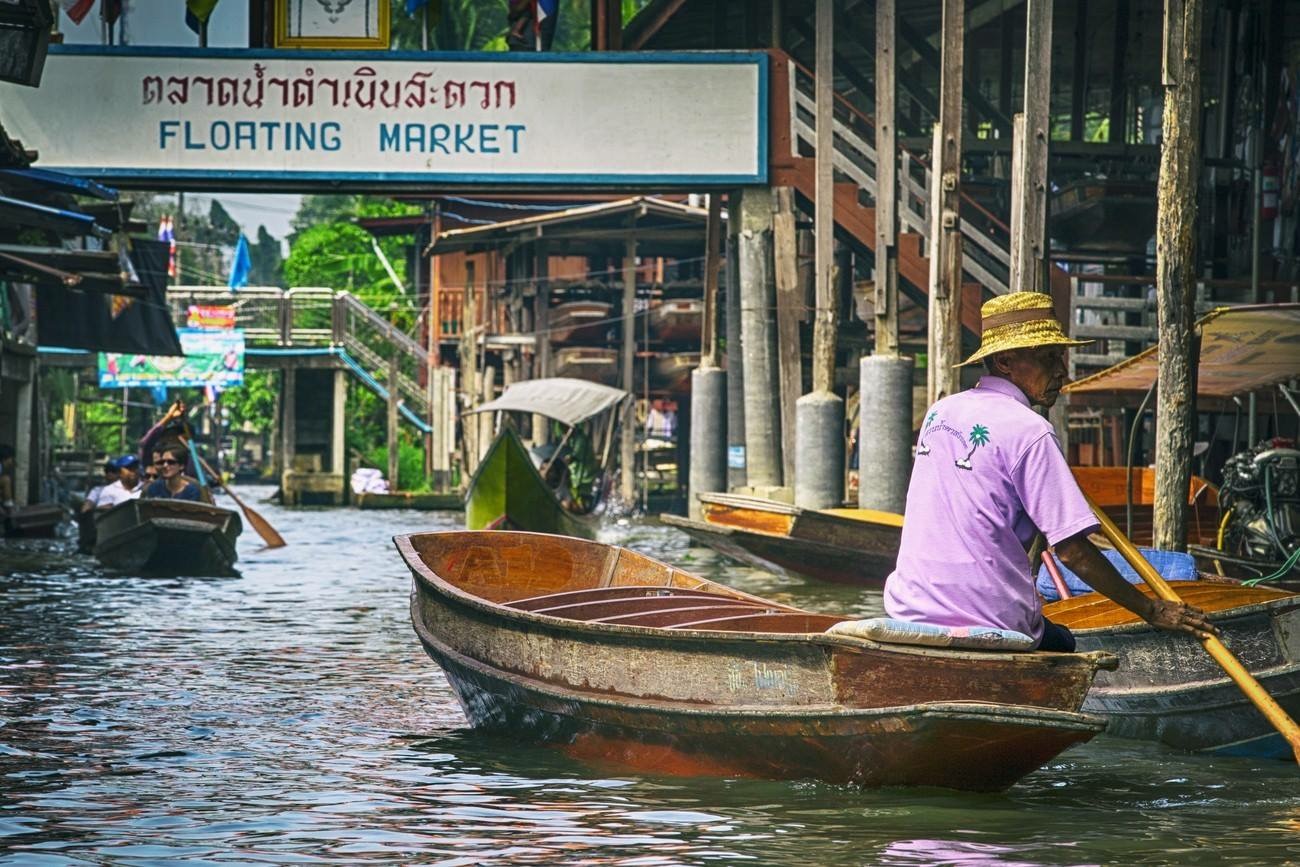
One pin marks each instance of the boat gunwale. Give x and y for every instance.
(972, 710)
(1238, 699)
(588, 519)
(1096, 659)
(1247, 610)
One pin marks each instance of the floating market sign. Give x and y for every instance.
(295, 117)
(204, 316)
(211, 358)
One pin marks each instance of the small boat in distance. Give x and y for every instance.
(677, 320)
(1167, 689)
(168, 537)
(855, 546)
(590, 363)
(563, 490)
(584, 321)
(615, 657)
(40, 520)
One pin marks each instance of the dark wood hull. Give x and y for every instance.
(846, 546)
(1167, 689)
(763, 692)
(580, 322)
(508, 493)
(428, 502)
(167, 537)
(591, 363)
(38, 521)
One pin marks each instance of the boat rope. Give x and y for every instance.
(1286, 567)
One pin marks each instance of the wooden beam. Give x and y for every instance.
(712, 264)
(1079, 87)
(1029, 155)
(886, 252)
(789, 306)
(942, 378)
(823, 360)
(985, 109)
(1176, 268)
(627, 449)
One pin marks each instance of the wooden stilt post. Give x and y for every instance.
(1029, 155)
(627, 443)
(942, 377)
(469, 382)
(789, 301)
(886, 276)
(712, 262)
(824, 322)
(1176, 268)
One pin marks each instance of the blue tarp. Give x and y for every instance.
(1172, 566)
(60, 181)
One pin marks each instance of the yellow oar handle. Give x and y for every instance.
(1244, 680)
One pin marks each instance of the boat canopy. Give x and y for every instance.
(569, 401)
(1243, 349)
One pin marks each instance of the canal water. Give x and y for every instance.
(289, 715)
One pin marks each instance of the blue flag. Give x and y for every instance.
(413, 6)
(241, 266)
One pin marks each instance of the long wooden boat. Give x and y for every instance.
(168, 537)
(584, 321)
(677, 320)
(1106, 486)
(40, 520)
(613, 656)
(590, 363)
(672, 371)
(1168, 689)
(423, 502)
(508, 491)
(856, 546)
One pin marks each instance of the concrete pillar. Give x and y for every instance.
(25, 394)
(819, 451)
(288, 423)
(758, 339)
(338, 435)
(885, 432)
(735, 361)
(708, 464)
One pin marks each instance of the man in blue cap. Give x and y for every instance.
(127, 486)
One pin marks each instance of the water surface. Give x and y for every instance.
(289, 715)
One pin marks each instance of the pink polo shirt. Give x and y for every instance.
(988, 471)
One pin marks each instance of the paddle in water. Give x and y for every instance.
(1245, 681)
(263, 527)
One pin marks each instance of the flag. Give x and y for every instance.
(77, 9)
(241, 266)
(413, 6)
(166, 233)
(548, 16)
(197, 13)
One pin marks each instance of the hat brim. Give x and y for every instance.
(1028, 342)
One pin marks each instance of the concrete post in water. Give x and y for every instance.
(288, 425)
(627, 444)
(23, 396)
(1176, 189)
(819, 427)
(735, 361)
(885, 432)
(338, 426)
(394, 452)
(758, 339)
(708, 435)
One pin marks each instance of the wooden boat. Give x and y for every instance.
(425, 502)
(613, 656)
(36, 521)
(677, 320)
(592, 363)
(167, 537)
(584, 321)
(1106, 486)
(857, 546)
(509, 491)
(1167, 689)
(672, 371)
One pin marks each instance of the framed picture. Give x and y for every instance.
(331, 23)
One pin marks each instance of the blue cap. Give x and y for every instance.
(127, 461)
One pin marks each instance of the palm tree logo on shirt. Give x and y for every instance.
(979, 436)
(922, 448)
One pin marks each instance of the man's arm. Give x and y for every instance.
(1084, 560)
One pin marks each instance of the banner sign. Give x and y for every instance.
(211, 358)
(290, 117)
(200, 316)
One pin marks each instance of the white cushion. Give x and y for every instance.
(891, 631)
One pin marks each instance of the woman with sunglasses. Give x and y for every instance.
(172, 483)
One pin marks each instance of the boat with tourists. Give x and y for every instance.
(559, 485)
(168, 537)
(614, 656)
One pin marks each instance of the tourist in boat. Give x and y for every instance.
(990, 475)
(127, 486)
(173, 484)
(110, 476)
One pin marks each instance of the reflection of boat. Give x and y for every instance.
(426, 502)
(677, 320)
(39, 520)
(509, 492)
(672, 371)
(580, 321)
(842, 545)
(614, 656)
(168, 537)
(592, 363)
(1167, 689)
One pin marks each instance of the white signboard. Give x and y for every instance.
(286, 116)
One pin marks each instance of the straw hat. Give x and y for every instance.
(1019, 320)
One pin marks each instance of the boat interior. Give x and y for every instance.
(593, 583)
(1092, 610)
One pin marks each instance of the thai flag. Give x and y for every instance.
(77, 9)
(165, 233)
(546, 9)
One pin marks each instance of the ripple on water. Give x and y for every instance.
(289, 715)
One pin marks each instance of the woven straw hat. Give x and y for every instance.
(1019, 320)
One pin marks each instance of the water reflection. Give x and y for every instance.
(289, 716)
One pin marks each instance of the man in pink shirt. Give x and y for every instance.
(989, 475)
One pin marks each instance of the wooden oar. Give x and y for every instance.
(263, 527)
(1245, 681)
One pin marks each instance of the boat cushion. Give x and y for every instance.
(1172, 566)
(892, 631)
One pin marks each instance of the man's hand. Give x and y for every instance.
(1180, 617)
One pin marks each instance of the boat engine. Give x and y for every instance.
(1261, 487)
